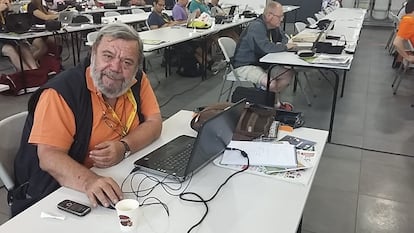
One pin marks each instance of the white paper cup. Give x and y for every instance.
(127, 213)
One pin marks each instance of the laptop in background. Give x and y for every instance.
(232, 10)
(191, 17)
(66, 17)
(228, 18)
(312, 45)
(186, 155)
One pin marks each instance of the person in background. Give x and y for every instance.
(263, 36)
(406, 32)
(199, 5)
(136, 2)
(157, 18)
(53, 4)
(8, 48)
(39, 15)
(216, 9)
(87, 116)
(180, 11)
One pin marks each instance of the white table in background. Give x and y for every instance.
(342, 17)
(179, 34)
(247, 203)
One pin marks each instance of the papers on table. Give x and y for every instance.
(301, 174)
(152, 42)
(261, 154)
(330, 59)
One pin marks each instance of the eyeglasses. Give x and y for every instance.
(112, 122)
(279, 16)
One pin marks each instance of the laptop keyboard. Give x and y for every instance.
(175, 162)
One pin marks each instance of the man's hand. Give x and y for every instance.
(3, 6)
(102, 189)
(410, 58)
(107, 154)
(290, 45)
(70, 173)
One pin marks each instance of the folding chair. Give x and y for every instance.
(228, 47)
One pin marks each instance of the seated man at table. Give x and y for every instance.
(405, 32)
(158, 19)
(180, 11)
(87, 116)
(216, 9)
(261, 37)
(199, 5)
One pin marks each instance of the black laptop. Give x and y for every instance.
(185, 155)
(312, 46)
(220, 19)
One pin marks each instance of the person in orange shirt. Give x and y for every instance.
(87, 116)
(405, 32)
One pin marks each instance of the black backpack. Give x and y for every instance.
(188, 65)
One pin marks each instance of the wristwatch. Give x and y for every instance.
(127, 149)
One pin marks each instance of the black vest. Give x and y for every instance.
(31, 182)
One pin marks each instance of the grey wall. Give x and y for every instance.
(307, 9)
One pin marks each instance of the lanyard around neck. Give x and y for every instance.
(132, 114)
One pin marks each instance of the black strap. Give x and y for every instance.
(136, 89)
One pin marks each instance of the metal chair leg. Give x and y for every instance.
(400, 77)
(304, 93)
(397, 74)
(390, 39)
(222, 87)
(309, 84)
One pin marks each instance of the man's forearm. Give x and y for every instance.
(63, 168)
(145, 133)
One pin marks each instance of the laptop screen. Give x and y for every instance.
(214, 136)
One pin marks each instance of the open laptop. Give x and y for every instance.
(185, 155)
(191, 17)
(312, 45)
(226, 18)
(66, 17)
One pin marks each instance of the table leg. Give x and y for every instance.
(204, 59)
(19, 50)
(335, 95)
(343, 84)
(144, 64)
(295, 82)
(300, 226)
(73, 49)
(78, 46)
(167, 61)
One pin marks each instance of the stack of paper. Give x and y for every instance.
(261, 154)
(152, 42)
(331, 59)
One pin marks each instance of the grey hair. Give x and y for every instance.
(120, 31)
(271, 5)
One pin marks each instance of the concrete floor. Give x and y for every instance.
(365, 179)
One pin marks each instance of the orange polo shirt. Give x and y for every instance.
(406, 28)
(54, 122)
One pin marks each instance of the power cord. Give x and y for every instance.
(165, 183)
(372, 150)
(201, 199)
(180, 93)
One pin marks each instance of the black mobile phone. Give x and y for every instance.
(74, 207)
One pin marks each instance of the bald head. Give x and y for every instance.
(273, 15)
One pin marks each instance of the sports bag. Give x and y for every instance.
(20, 83)
(255, 120)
